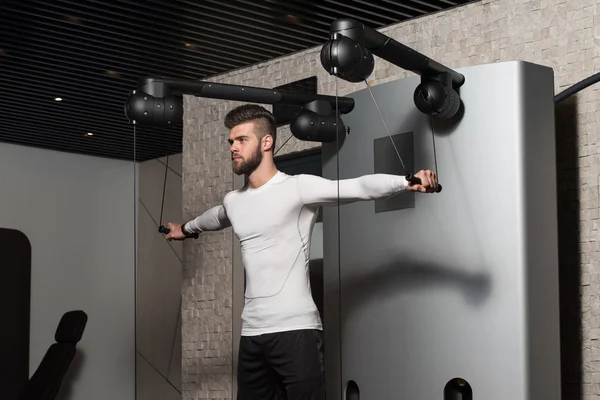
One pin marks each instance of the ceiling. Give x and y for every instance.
(91, 54)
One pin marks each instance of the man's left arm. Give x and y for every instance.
(320, 191)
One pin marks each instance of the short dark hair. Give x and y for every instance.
(263, 119)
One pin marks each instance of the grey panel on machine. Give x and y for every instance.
(386, 161)
(465, 283)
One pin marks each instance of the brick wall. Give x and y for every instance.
(556, 33)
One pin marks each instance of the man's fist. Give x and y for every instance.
(428, 184)
(176, 233)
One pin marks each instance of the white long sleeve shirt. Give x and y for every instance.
(274, 224)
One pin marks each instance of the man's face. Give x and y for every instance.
(245, 148)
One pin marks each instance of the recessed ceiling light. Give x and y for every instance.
(291, 18)
(58, 99)
(89, 134)
(72, 18)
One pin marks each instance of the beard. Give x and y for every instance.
(246, 167)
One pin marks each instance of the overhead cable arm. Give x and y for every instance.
(158, 102)
(348, 54)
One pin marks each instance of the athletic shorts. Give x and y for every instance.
(281, 366)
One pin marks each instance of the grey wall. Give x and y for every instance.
(78, 213)
(159, 271)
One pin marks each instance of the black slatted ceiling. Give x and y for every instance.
(91, 53)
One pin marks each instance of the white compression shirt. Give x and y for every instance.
(274, 224)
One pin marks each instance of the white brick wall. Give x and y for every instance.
(558, 33)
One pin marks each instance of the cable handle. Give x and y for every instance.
(417, 181)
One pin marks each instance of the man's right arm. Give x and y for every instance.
(213, 219)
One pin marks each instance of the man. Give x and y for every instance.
(280, 353)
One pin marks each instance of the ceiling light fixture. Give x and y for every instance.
(58, 99)
(292, 18)
(72, 18)
(89, 134)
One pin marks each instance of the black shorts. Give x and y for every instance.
(284, 365)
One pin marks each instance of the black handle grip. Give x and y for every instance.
(415, 180)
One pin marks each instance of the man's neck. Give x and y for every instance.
(262, 175)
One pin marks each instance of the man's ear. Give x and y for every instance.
(268, 142)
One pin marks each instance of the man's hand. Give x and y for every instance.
(428, 183)
(176, 233)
